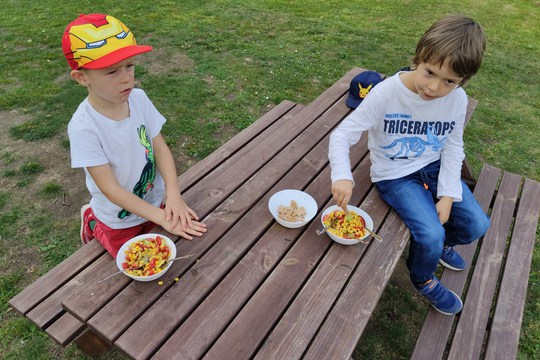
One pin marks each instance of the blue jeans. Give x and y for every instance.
(416, 206)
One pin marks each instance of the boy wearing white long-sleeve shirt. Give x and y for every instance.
(415, 125)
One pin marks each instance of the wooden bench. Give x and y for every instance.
(494, 297)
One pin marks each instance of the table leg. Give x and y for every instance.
(92, 343)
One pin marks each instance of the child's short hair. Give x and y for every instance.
(456, 38)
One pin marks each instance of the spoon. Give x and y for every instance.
(348, 215)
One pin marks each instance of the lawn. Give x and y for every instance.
(216, 67)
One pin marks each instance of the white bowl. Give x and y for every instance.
(362, 213)
(121, 257)
(284, 198)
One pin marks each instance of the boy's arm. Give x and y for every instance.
(105, 180)
(452, 155)
(175, 207)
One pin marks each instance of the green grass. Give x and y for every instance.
(216, 67)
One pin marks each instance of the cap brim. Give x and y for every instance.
(117, 56)
(352, 102)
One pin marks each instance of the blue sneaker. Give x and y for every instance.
(451, 259)
(441, 298)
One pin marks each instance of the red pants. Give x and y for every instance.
(113, 239)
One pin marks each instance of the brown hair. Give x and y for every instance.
(458, 39)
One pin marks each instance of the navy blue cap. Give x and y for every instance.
(361, 85)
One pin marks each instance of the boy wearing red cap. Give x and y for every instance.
(115, 136)
(415, 123)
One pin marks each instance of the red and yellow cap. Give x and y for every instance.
(95, 41)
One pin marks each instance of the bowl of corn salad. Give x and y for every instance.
(346, 230)
(144, 257)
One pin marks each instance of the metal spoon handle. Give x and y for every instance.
(110, 276)
(321, 230)
(373, 234)
(180, 257)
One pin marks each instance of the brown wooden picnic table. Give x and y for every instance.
(253, 288)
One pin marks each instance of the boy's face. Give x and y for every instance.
(433, 81)
(110, 85)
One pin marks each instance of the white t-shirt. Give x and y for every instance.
(405, 133)
(126, 146)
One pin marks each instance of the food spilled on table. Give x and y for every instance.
(351, 226)
(292, 213)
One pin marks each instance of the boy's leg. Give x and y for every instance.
(113, 239)
(467, 220)
(416, 207)
(466, 224)
(412, 198)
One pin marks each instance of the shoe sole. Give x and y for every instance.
(83, 209)
(448, 266)
(450, 313)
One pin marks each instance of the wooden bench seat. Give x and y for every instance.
(494, 298)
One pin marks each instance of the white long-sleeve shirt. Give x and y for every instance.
(405, 133)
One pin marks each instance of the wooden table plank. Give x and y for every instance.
(65, 329)
(225, 151)
(229, 255)
(505, 328)
(50, 309)
(469, 335)
(201, 329)
(250, 158)
(437, 326)
(301, 321)
(355, 305)
(47, 284)
(251, 325)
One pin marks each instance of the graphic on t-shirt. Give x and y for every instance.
(415, 145)
(148, 175)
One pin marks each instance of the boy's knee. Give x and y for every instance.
(476, 229)
(431, 241)
(482, 226)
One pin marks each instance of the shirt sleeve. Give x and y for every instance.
(155, 120)
(348, 133)
(452, 155)
(85, 146)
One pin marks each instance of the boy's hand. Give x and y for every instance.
(197, 229)
(444, 206)
(342, 192)
(181, 219)
(178, 213)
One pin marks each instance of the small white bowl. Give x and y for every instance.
(362, 213)
(121, 257)
(284, 198)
